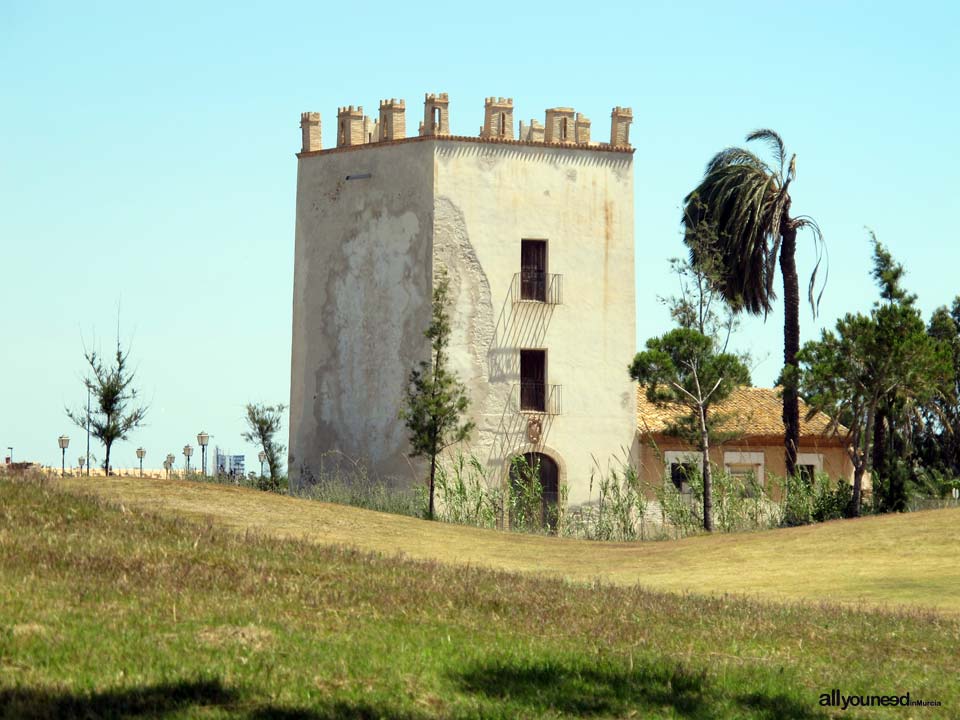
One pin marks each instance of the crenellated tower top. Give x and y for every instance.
(563, 126)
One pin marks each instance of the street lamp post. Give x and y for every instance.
(87, 423)
(64, 444)
(187, 452)
(262, 456)
(140, 453)
(202, 440)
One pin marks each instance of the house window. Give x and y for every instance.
(533, 378)
(808, 465)
(746, 474)
(743, 465)
(681, 474)
(533, 270)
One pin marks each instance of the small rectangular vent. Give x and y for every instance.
(360, 176)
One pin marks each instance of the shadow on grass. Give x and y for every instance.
(183, 699)
(148, 701)
(605, 689)
(507, 690)
(336, 710)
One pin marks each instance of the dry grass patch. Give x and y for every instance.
(888, 560)
(253, 637)
(29, 629)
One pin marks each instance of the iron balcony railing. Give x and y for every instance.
(538, 398)
(537, 286)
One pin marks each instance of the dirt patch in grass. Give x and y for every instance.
(29, 630)
(253, 637)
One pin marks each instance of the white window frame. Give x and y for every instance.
(682, 456)
(737, 457)
(815, 459)
(671, 457)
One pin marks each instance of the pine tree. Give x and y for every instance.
(435, 398)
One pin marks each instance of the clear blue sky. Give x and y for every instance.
(147, 161)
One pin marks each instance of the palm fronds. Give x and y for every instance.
(748, 201)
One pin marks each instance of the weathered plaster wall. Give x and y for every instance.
(833, 459)
(362, 288)
(488, 198)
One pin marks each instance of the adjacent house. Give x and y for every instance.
(752, 419)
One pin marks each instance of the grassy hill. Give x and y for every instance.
(110, 611)
(885, 560)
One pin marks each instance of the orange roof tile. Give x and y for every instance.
(753, 412)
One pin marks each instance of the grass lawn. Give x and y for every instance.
(111, 611)
(883, 560)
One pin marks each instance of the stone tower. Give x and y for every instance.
(536, 237)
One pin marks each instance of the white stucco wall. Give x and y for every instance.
(489, 197)
(365, 252)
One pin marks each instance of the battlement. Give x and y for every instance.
(581, 129)
(310, 131)
(620, 119)
(497, 118)
(436, 114)
(562, 126)
(393, 120)
(350, 126)
(559, 126)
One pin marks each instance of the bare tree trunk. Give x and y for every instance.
(706, 473)
(433, 473)
(864, 463)
(879, 454)
(858, 471)
(707, 490)
(791, 345)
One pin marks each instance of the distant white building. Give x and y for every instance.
(225, 464)
(536, 236)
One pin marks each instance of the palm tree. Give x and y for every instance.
(748, 202)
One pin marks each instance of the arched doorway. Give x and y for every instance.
(534, 491)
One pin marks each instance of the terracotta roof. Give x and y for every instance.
(754, 412)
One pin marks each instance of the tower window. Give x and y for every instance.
(533, 270)
(533, 377)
